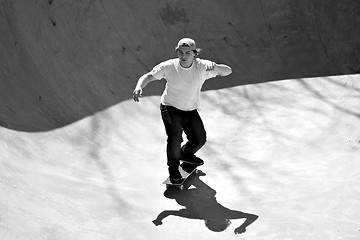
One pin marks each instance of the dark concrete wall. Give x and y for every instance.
(64, 60)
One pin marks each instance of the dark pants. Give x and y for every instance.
(176, 121)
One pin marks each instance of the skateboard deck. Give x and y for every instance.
(186, 169)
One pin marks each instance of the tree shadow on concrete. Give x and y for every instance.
(351, 91)
(200, 203)
(123, 208)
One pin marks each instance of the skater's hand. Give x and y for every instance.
(211, 66)
(157, 222)
(137, 94)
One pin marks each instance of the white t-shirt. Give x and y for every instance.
(183, 85)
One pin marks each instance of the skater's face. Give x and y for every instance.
(186, 56)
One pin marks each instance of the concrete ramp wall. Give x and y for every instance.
(65, 60)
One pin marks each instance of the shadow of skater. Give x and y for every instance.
(200, 203)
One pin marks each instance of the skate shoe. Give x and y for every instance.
(192, 160)
(175, 177)
(177, 181)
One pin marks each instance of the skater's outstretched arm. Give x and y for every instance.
(142, 82)
(222, 69)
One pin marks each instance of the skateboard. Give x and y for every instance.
(186, 169)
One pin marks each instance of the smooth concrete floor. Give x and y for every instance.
(287, 151)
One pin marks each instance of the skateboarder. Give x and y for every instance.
(180, 101)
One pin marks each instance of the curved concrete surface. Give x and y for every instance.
(286, 151)
(66, 60)
(80, 160)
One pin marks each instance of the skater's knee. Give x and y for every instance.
(202, 140)
(175, 139)
(198, 143)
